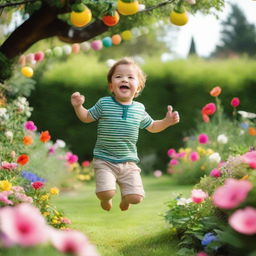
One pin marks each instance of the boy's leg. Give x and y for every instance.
(130, 199)
(106, 199)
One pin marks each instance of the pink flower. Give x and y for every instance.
(235, 102)
(30, 126)
(171, 152)
(215, 173)
(232, 193)
(194, 156)
(86, 163)
(65, 220)
(37, 184)
(201, 254)
(158, 173)
(72, 242)
(9, 166)
(250, 159)
(208, 109)
(198, 196)
(203, 138)
(23, 224)
(173, 162)
(71, 158)
(244, 221)
(4, 197)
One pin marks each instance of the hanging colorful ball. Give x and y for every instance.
(96, 45)
(110, 21)
(57, 51)
(107, 41)
(67, 49)
(75, 48)
(30, 58)
(179, 18)
(126, 35)
(116, 39)
(127, 8)
(48, 52)
(39, 56)
(27, 71)
(85, 46)
(22, 60)
(80, 19)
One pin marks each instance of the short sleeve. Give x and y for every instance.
(96, 110)
(146, 120)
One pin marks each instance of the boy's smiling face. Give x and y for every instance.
(125, 83)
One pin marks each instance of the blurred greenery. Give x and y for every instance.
(184, 84)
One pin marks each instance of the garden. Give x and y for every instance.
(198, 175)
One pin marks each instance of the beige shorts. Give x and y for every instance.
(126, 175)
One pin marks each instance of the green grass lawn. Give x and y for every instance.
(140, 231)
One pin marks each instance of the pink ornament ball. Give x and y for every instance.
(22, 60)
(75, 48)
(96, 45)
(39, 56)
(30, 58)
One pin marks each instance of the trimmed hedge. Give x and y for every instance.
(181, 83)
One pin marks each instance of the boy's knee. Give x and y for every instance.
(106, 195)
(133, 199)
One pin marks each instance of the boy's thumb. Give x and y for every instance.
(169, 108)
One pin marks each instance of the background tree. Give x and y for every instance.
(237, 35)
(49, 18)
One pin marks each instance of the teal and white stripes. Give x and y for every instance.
(118, 129)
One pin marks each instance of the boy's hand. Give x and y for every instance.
(172, 117)
(77, 99)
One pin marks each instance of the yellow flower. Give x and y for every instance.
(54, 191)
(201, 150)
(54, 221)
(84, 177)
(5, 185)
(187, 150)
(46, 214)
(202, 167)
(245, 177)
(44, 197)
(209, 151)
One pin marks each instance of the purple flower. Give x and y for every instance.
(208, 238)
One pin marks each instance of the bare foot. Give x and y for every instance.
(124, 206)
(106, 205)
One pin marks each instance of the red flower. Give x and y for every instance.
(37, 184)
(45, 136)
(235, 102)
(208, 109)
(22, 159)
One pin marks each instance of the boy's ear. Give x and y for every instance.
(110, 87)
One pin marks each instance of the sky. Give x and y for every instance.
(206, 29)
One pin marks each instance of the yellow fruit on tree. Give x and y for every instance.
(27, 71)
(179, 18)
(80, 19)
(126, 8)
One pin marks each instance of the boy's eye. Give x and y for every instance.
(117, 76)
(131, 77)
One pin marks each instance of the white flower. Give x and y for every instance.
(3, 111)
(245, 114)
(222, 138)
(60, 143)
(9, 134)
(241, 132)
(183, 201)
(215, 157)
(191, 1)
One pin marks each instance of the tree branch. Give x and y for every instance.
(157, 6)
(17, 3)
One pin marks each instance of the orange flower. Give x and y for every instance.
(45, 136)
(27, 140)
(252, 131)
(22, 159)
(216, 91)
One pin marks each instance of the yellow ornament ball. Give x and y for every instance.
(126, 35)
(179, 18)
(127, 8)
(27, 71)
(80, 19)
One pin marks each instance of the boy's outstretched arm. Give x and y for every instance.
(171, 118)
(77, 101)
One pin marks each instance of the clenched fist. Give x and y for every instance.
(77, 99)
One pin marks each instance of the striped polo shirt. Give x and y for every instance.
(118, 129)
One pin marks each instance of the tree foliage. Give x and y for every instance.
(238, 35)
(50, 18)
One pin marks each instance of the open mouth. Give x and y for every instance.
(124, 87)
